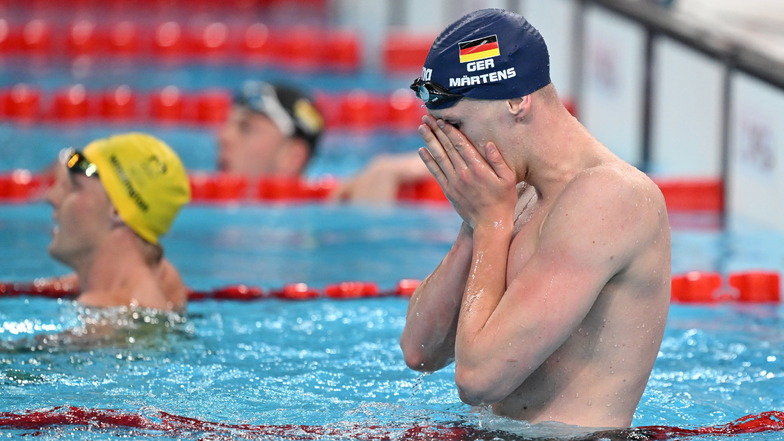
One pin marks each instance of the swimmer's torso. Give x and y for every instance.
(599, 373)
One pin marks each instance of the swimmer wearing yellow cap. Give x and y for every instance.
(112, 201)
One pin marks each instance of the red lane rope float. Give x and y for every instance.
(754, 286)
(692, 194)
(21, 185)
(18, 185)
(21, 103)
(297, 291)
(173, 425)
(211, 106)
(303, 291)
(294, 291)
(404, 53)
(42, 287)
(296, 48)
(223, 187)
(353, 110)
(215, 188)
(771, 421)
(351, 290)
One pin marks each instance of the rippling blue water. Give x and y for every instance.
(333, 363)
(321, 363)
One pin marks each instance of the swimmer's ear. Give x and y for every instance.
(116, 219)
(293, 159)
(519, 107)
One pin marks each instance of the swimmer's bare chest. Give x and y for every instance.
(529, 215)
(555, 391)
(537, 395)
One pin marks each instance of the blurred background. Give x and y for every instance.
(690, 91)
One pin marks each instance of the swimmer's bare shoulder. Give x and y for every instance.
(606, 238)
(173, 286)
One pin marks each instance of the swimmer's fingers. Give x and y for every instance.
(432, 166)
(462, 153)
(498, 164)
(429, 132)
(341, 192)
(451, 140)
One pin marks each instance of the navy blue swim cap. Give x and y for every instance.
(486, 54)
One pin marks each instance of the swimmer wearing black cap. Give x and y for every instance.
(553, 299)
(272, 130)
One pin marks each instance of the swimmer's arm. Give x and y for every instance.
(380, 181)
(505, 334)
(428, 339)
(483, 192)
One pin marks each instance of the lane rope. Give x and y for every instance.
(696, 287)
(176, 425)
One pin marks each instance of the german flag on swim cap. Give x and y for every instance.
(489, 54)
(144, 179)
(479, 49)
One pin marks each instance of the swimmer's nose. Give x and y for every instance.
(52, 194)
(223, 144)
(223, 136)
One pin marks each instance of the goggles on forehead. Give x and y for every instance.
(78, 164)
(434, 95)
(261, 97)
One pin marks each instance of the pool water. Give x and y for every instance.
(325, 368)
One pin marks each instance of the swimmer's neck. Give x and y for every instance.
(119, 275)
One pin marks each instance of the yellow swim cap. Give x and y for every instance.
(144, 178)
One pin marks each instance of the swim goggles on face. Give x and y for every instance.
(261, 97)
(434, 95)
(77, 163)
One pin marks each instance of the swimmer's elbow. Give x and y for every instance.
(476, 387)
(418, 359)
(415, 361)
